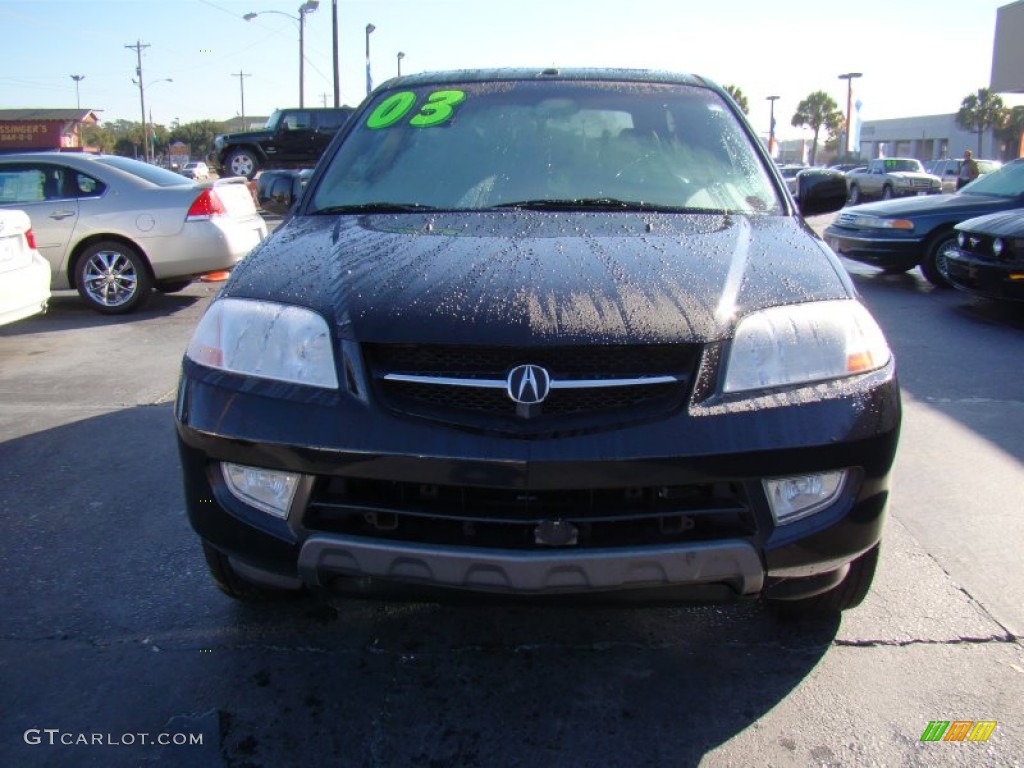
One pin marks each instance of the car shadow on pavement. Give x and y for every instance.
(116, 628)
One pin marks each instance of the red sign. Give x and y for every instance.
(32, 134)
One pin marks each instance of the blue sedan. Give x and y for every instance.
(897, 235)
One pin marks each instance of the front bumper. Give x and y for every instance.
(877, 249)
(1002, 281)
(678, 503)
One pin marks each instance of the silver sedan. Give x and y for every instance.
(115, 228)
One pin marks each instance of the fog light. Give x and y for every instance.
(268, 490)
(792, 498)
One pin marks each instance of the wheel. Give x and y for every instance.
(849, 593)
(172, 286)
(242, 162)
(854, 195)
(232, 584)
(933, 267)
(113, 277)
(887, 192)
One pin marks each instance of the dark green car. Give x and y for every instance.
(897, 235)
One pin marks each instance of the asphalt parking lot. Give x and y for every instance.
(112, 626)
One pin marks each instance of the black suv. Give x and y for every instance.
(543, 332)
(292, 138)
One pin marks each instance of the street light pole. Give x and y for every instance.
(307, 7)
(400, 57)
(771, 125)
(849, 78)
(78, 98)
(369, 77)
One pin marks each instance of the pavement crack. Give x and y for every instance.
(1008, 639)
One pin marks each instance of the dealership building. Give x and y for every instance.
(936, 136)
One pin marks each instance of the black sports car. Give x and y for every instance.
(543, 332)
(898, 235)
(989, 260)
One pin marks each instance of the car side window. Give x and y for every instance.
(23, 184)
(87, 186)
(297, 121)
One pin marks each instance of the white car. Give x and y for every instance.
(196, 170)
(24, 274)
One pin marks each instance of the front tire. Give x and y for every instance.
(887, 192)
(933, 267)
(235, 586)
(855, 196)
(849, 593)
(113, 277)
(242, 162)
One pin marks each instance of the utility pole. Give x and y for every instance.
(337, 82)
(142, 97)
(241, 84)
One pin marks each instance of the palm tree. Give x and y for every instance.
(981, 111)
(738, 97)
(817, 110)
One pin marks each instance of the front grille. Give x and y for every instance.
(922, 183)
(599, 405)
(508, 518)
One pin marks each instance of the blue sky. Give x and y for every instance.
(918, 57)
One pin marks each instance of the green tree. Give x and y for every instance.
(981, 111)
(199, 136)
(739, 97)
(818, 111)
(1012, 134)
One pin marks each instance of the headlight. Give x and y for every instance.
(266, 340)
(901, 182)
(961, 240)
(804, 343)
(877, 222)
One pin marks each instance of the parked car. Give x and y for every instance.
(789, 173)
(24, 274)
(292, 138)
(897, 235)
(197, 170)
(115, 228)
(989, 258)
(543, 333)
(888, 177)
(948, 170)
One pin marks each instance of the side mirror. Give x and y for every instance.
(820, 191)
(276, 192)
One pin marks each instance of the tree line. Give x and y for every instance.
(979, 112)
(125, 137)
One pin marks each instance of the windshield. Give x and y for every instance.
(903, 166)
(548, 144)
(1007, 181)
(273, 120)
(151, 173)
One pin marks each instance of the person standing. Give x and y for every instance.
(968, 170)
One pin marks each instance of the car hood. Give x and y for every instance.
(539, 277)
(247, 135)
(1002, 224)
(952, 204)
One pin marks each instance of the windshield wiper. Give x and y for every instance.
(603, 203)
(374, 208)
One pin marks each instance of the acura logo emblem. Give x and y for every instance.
(528, 384)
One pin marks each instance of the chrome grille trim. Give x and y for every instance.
(555, 384)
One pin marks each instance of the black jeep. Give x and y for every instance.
(292, 138)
